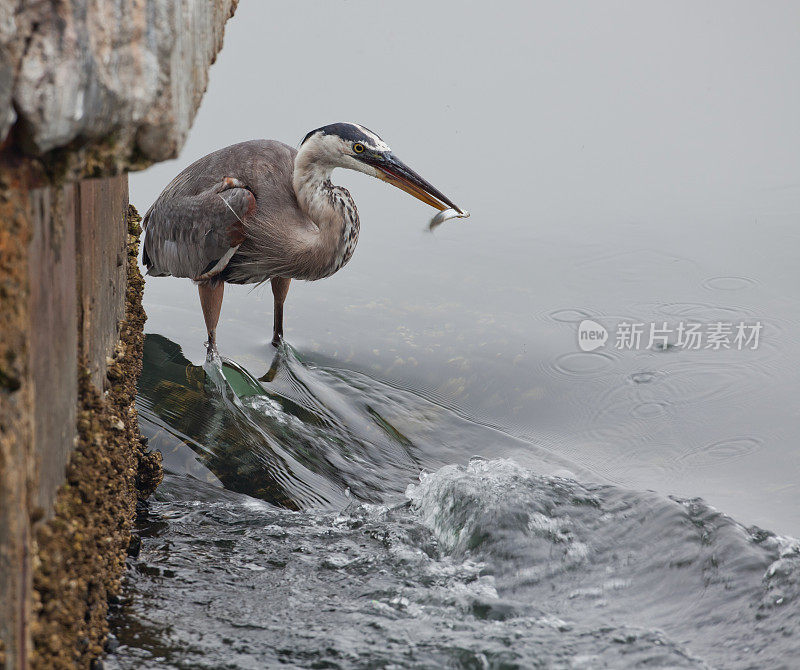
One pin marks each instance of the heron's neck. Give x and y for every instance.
(312, 185)
(330, 207)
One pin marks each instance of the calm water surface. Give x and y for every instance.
(623, 165)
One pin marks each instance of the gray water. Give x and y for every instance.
(432, 473)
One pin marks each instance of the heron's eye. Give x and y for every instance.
(358, 148)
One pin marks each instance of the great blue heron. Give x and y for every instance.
(260, 210)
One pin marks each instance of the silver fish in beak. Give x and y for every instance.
(446, 215)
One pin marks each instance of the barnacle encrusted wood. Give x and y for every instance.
(87, 89)
(109, 469)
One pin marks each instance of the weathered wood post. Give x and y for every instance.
(88, 91)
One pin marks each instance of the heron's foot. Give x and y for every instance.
(270, 374)
(211, 348)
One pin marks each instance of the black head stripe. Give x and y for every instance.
(347, 131)
(309, 135)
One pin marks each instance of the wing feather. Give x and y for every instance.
(238, 195)
(196, 234)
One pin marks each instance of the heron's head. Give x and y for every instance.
(352, 146)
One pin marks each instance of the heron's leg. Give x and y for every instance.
(280, 287)
(211, 302)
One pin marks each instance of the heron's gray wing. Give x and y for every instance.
(196, 235)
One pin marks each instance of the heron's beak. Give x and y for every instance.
(391, 169)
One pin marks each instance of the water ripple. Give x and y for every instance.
(570, 315)
(731, 283)
(583, 364)
(723, 451)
